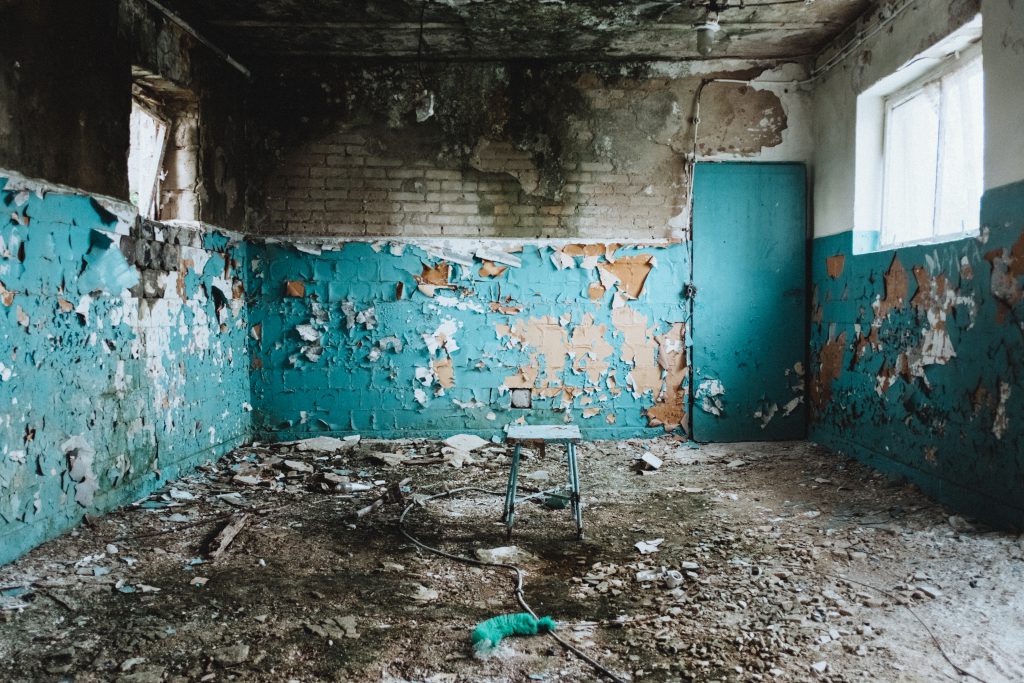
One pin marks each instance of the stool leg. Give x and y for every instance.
(574, 483)
(510, 492)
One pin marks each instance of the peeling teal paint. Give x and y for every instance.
(332, 385)
(110, 383)
(953, 424)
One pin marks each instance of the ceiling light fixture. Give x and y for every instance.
(706, 31)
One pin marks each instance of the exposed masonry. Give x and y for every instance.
(512, 152)
(338, 187)
(917, 363)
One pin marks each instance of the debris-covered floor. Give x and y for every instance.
(797, 564)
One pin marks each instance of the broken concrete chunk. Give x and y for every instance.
(649, 461)
(424, 594)
(298, 466)
(648, 547)
(325, 444)
(232, 655)
(508, 554)
(466, 442)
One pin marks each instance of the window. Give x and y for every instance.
(163, 156)
(145, 157)
(932, 154)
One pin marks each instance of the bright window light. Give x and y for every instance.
(932, 159)
(145, 158)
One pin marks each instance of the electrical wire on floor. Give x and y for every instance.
(520, 597)
(931, 634)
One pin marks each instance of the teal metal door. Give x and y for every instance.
(749, 318)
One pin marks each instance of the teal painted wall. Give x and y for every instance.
(123, 361)
(928, 385)
(343, 377)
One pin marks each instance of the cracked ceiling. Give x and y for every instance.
(270, 30)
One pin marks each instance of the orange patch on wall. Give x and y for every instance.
(631, 271)
(834, 265)
(895, 289)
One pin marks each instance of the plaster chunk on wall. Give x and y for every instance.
(443, 337)
(80, 456)
(834, 265)
(491, 269)
(444, 372)
(591, 350)
(630, 273)
(896, 287)
(831, 360)
(709, 396)
(1007, 269)
(433, 278)
(669, 410)
(639, 349)
(547, 337)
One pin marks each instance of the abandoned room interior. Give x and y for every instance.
(512, 340)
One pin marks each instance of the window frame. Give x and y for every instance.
(955, 61)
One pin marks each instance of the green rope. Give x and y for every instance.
(488, 634)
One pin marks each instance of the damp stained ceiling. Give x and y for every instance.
(592, 30)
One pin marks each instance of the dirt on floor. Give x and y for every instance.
(796, 564)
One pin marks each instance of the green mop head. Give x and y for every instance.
(488, 634)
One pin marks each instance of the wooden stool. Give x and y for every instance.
(541, 436)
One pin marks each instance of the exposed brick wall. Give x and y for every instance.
(339, 186)
(520, 151)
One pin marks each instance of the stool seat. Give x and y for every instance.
(542, 435)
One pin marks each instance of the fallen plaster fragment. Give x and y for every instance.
(509, 554)
(80, 456)
(324, 444)
(649, 547)
(466, 442)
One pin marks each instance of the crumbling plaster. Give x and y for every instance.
(595, 150)
(916, 360)
(124, 361)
